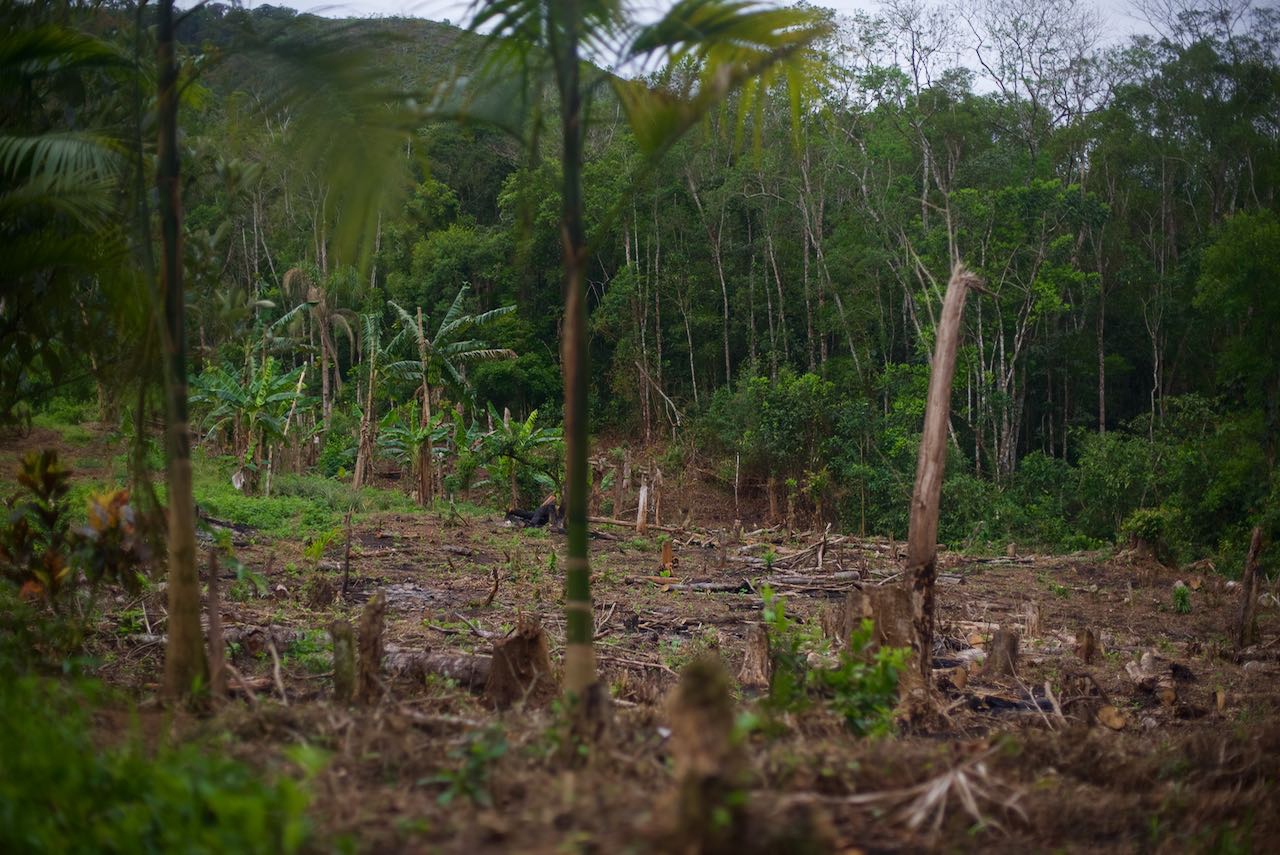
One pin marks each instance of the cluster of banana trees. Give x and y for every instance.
(259, 408)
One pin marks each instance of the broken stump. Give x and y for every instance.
(372, 621)
(757, 668)
(710, 815)
(1086, 646)
(344, 661)
(1002, 654)
(520, 669)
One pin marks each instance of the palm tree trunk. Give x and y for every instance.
(185, 667)
(579, 657)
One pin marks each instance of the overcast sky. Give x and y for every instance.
(1117, 15)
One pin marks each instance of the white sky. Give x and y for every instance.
(1118, 18)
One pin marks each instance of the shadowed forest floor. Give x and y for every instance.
(1188, 762)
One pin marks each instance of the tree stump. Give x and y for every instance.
(757, 668)
(890, 607)
(1031, 613)
(1002, 654)
(344, 661)
(1086, 646)
(1246, 623)
(369, 682)
(710, 815)
(520, 670)
(840, 620)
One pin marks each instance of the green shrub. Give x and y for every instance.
(861, 686)
(61, 790)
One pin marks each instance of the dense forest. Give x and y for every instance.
(762, 300)
(428, 270)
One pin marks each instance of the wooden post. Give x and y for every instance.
(922, 539)
(657, 495)
(642, 521)
(1246, 629)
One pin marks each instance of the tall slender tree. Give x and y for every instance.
(184, 663)
(731, 45)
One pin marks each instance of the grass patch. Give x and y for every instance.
(299, 505)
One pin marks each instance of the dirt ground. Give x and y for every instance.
(1063, 755)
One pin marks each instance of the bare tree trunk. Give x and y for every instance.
(185, 666)
(921, 567)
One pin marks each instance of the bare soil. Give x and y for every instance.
(1194, 770)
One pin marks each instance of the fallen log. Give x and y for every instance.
(471, 670)
(631, 524)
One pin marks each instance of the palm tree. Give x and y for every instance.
(731, 45)
(325, 317)
(442, 354)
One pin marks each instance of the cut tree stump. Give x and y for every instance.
(1246, 623)
(710, 765)
(1031, 619)
(520, 669)
(1002, 654)
(372, 621)
(1086, 646)
(890, 607)
(344, 661)
(757, 667)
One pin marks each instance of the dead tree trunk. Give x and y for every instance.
(1247, 622)
(921, 569)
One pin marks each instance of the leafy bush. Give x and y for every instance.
(861, 685)
(35, 542)
(61, 790)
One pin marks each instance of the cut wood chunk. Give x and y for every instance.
(470, 670)
(1111, 717)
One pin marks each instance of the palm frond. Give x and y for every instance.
(52, 49)
(60, 153)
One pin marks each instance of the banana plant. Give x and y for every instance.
(254, 410)
(516, 446)
(443, 355)
(411, 442)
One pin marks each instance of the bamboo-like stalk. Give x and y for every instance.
(185, 666)
(579, 656)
